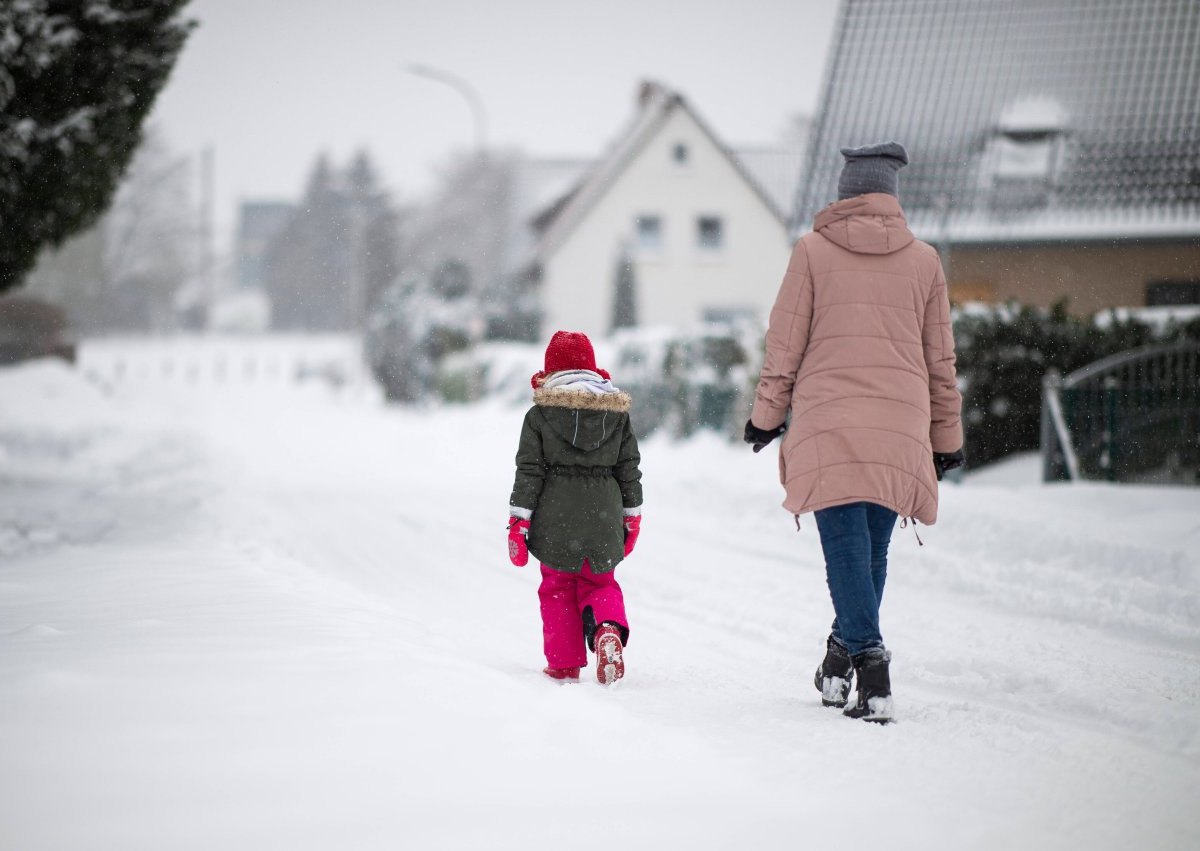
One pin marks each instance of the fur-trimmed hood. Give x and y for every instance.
(585, 419)
(582, 400)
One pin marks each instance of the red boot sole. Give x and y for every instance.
(610, 660)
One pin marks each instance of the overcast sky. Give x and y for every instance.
(270, 84)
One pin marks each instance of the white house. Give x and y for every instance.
(704, 238)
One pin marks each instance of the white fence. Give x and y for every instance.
(210, 362)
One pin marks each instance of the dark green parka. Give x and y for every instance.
(577, 471)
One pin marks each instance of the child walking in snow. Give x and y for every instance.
(576, 505)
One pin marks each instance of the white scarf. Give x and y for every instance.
(580, 379)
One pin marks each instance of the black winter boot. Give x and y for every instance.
(873, 701)
(833, 674)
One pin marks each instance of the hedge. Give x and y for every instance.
(1004, 351)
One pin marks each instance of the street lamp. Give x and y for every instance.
(468, 93)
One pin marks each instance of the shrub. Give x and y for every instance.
(1003, 353)
(30, 328)
(685, 380)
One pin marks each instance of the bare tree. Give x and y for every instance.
(124, 272)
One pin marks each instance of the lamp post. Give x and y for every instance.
(468, 93)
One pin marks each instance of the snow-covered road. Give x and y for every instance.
(290, 623)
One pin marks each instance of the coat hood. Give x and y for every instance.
(582, 418)
(865, 224)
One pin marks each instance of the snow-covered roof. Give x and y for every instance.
(1025, 120)
(537, 184)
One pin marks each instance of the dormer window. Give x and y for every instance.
(1023, 153)
(1022, 158)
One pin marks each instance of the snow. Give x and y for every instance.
(1058, 223)
(1033, 114)
(1158, 316)
(285, 618)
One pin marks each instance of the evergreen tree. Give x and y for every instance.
(76, 83)
(625, 294)
(306, 267)
(337, 253)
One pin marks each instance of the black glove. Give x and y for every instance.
(759, 438)
(943, 461)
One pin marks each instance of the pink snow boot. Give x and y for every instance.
(610, 655)
(565, 674)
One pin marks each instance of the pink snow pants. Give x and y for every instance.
(564, 596)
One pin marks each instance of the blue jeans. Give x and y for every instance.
(855, 540)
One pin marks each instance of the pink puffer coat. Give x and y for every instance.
(860, 349)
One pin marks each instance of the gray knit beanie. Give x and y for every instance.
(872, 168)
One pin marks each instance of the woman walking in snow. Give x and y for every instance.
(860, 353)
(576, 505)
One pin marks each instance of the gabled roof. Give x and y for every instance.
(775, 171)
(537, 185)
(1025, 120)
(656, 104)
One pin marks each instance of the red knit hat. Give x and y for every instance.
(568, 350)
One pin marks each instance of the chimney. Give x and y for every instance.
(650, 91)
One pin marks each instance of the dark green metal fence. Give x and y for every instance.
(1132, 417)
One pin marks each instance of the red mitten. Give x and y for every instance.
(518, 550)
(633, 525)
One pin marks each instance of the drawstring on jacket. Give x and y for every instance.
(904, 522)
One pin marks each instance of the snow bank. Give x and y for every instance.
(49, 395)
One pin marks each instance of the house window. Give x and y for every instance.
(649, 231)
(727, 314)
(679, 153)
(710, 233)
(1172, 293)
